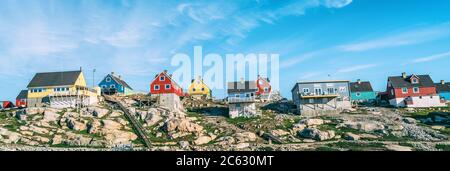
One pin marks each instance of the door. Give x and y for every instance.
(318, 91)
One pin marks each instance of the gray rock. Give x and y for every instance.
(313, 133)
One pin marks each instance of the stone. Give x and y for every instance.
(312, 122)
(245, 137)
(51, 115)
(27, 133)
(242, 145)
(116, 113)
(142, 115)
(21, 117)
(409, 120)
(368, 136)
(57, 139)
(39, 130)
(394, 147)
(24, 128)
(122, 121)
(109, 124)
(75, 125)
(367, 126)
(93, 127)
(438, 127)
(227, 140)
(182, 125)
(13, 137)
(98, 112)
(298, 127)
(279, 132)
(202, 140)
(114, 137)
(183, 144)
(153, 117)
(352, 137)
(159, 134)
(41, 139)
(34, 110)
(313, 133)
(396, 127)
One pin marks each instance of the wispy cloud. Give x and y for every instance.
(356, 68)
(431, 58)
(410, 37)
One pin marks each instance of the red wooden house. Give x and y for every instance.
(412, 91)
(6, 105)
(21, 99)
(263, 85)
(163, 84)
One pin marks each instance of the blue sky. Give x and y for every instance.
(316, 39)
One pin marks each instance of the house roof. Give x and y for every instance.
(399, 81)
(22, 95)
(363, 86)
(167, 76)
(54, 79)
(442, 87)
(314, 82)
(242, 87)
(120, 81)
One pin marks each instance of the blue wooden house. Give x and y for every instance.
(361, 91)
(443, 89)
(113, 84)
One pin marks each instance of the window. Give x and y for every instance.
(112, 86)
(342, 89)
(266, 89)
(237, 95)
(404, 90)
(108, 79)
(392, 91)
(203, 89)
(305, 90)
(238, 105)
(311, 100)
(167, 86)
(104, 86)
(162, 78)
(318, 91)
(415, 81)
(420, 97)
(358, 94)
(330, 90)
(252, 94)
(416, 89)
(247, 95)
(193, 89)
(156, 87)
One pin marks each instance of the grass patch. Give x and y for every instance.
(241, 120)
(444, 147)
(325, 148)
(353, 146)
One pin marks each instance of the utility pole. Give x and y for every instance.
(93, 78)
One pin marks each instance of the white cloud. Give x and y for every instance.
(431, 58)
(337, 3)
(356, 68)
(411, 37)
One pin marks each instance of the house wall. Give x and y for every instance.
(364, 96)
(198, 85)
(423, 91)
(425, 101)
(242, 110)
(170, 101)
(262, 84)
(105, 83)
(445, 95)
(162, 90)
(21, 102)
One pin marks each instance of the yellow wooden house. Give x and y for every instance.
(60, 90)
(199, 89)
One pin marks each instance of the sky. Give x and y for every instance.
(315, 39)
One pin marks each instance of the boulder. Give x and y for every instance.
(182, 125)
(75, 125)
(312, 122)
(298, 127)
(313, 133)
(350, 136)
(116, 113)
(114, 137)
(57, 139)
(41, 139)
(394, 147)
(396, 127)
(51, 115)
(242, 145)
(34, 110)
(39, 130)
(202, 140)
(279, 132)
(245, 137)
(98, 112)
(183, 144)
(438, 127)
(153, 117)
(227, 140)
(93, 127)
(409, 120)
(109, 124)
(122, 121)
(367, 126)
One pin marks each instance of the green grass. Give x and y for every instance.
(353, 146)
(265, 149)
(444, 147)
(241, 120)
(325, 148)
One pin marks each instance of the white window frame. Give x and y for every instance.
(162, 78)
(320, 89)
(418, 90)
(358, 94)
(112, 86)
(307, 90)
(108, 79)
(266, 90)
(415, 81)
(104, 86)
(156, 87)
(167, 88)
(403, 90)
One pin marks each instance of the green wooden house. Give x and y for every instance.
(361, 91)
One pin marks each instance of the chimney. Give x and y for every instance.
(359, 81)
(442, 81)
(165, 71)
(120, 77)
(81, 68)
(112, 73)
(404, 75)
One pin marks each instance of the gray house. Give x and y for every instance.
(321, 97)
(241, 99)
